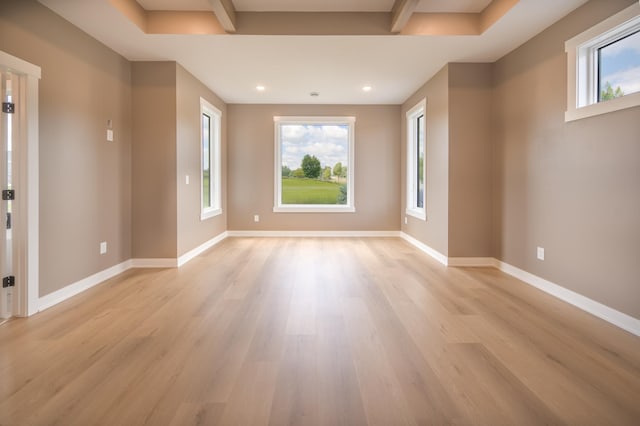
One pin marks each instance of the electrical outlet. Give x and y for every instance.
(109, 135)
(406, 220)
(540, 253)
(256, 218)
(103, 247)
(186, 179)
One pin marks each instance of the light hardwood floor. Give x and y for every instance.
(316, 331)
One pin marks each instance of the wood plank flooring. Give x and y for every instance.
(322, 331)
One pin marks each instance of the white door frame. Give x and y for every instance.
(26, 294)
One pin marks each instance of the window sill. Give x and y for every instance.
(628, 101)
(208, 214)
(302, 208)
(418, 214)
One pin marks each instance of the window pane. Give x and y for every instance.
(206, 161)
(314, 163)
(619, 68)
(420, 162)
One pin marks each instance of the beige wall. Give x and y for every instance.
(154, 160)
(470, 160)
(572, 188)
(192, 232)
(85, 181)
(434, 231)
(459, 162)
(251, 169)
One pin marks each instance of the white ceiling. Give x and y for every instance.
(290, 67)
(464, 6)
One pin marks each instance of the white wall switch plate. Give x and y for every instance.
(103, 247)
(186, 179)
(256, 218)
(540, 253)
(109, 135)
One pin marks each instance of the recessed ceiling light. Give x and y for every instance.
(314, 94)
(260, 88)
(367, 88)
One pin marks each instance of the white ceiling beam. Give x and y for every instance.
(226, 14)
(401, 12)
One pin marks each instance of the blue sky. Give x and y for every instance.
(620, 64)
(329, 143)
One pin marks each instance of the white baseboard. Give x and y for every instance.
(425, 248)
(472, 261)
(71, 290)
(78, 287)
(617, 318)
(154, 263)
(612, 316)
(313, 234)
(201, 248)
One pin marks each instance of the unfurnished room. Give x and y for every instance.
(320, 212)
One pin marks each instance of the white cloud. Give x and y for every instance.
(631, 43)
(628, 80)
(329, 143)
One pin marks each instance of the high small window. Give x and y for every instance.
(416, 157)
(210, 164)
(314, 158)
(619, 67)
(604, 66)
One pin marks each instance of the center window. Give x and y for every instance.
(314, 164)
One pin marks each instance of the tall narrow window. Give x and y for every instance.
(416, 156)
(210, 165)
(420, 162)
(314, 164)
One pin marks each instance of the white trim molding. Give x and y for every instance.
(597, 309)
(617, 318)
(71, 290)
(98, 278)
(313, 234)
(26, 299)
(154, 263)
(482, 262)
(201, 249)
(278, 206)
(425, 248)
(414, 134)
(215, 162)
(583, 65)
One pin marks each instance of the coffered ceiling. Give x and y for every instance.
(294, 47)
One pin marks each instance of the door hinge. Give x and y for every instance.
(8, 107)
(8, 194)
(9, 281)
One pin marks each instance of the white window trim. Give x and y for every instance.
(582, 96)
(412, 114)
(215, 161)
(349, 207)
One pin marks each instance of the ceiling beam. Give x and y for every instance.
(226, 14)
(401, 12)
